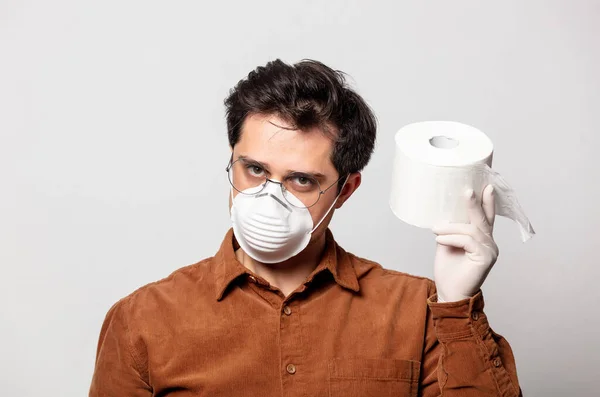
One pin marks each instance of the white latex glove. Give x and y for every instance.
(466, 252)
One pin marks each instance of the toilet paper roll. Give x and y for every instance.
(435, 163)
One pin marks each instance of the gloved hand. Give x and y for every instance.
(466, 252)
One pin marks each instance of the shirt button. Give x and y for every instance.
(497, 362)
(291, 369)
(475, 316)
(287, 310)
(252, 278)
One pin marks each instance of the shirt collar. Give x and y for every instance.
(335, 260)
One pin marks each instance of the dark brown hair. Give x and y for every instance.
(307, 94)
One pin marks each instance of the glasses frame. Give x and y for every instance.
(283, 189)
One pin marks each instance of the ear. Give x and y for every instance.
(349, 188)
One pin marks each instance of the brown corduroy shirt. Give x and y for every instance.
(352, 329)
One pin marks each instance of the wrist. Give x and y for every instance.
(452, 319)
(452, 298)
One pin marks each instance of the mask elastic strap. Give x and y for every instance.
(334, 201)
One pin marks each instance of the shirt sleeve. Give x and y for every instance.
(462, 355)
(118, 371)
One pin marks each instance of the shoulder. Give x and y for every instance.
(371, 274)
(183, 285)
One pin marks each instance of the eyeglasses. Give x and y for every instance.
(300, 190)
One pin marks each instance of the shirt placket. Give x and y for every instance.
(294, 371)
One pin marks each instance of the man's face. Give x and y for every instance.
(284, 150)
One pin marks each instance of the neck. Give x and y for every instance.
(287, 276)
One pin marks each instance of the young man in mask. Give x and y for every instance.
(281, 309)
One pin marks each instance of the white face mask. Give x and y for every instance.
(268, 228)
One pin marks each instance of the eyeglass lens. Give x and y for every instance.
(298, 189)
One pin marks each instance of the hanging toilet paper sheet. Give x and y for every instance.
(435, 163)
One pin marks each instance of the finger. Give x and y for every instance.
(488, 199)
(463, 241)
(459, 228)
(476, 215)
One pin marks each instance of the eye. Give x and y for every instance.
(303, 182)
(255, 170)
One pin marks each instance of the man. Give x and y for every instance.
(281, 309)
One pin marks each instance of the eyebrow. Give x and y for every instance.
(316, 175)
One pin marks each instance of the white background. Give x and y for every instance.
(113, 148)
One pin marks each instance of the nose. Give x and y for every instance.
(277, 199)
(274, 191)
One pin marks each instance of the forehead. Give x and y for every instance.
(269, 139)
